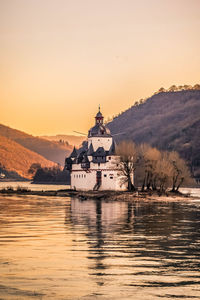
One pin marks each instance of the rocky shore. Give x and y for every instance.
(97, 195)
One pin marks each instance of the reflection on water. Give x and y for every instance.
(55, 248)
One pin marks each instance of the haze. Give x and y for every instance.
(60, 59)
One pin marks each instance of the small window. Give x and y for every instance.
(99, 164)
(105, 175)
(109, 158)
(111, 177)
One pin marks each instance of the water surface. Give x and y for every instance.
(55, 248)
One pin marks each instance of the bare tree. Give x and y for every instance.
(180, 171)
(149, 157)
(163, 172)
(128, 157)
(161, 169)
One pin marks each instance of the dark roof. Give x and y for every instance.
(99, 130)
(74, 153)
(83, 148)
(99, 115)
(85, 159)
(112, 149)
(68, 160)
(99, 152)
(90, 150)
(79, 156)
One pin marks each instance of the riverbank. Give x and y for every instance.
(98, 195)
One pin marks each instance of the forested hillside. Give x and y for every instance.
(54, 151)
(15, 158)
(167, 120)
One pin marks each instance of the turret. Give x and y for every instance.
(99, 117)
(74, 153)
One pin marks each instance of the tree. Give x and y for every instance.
(173, 88)
(141, 101)
(163, 172)
(47, 174)
(161, 169)
(161, 90)
(196, 87)
(128, 157)
(148, 157)
(33, 168)
(180, 171)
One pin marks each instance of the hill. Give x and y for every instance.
(54, 151)
(70, 139)
(167, 120)
(16, 159)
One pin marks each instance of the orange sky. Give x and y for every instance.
(60, 58)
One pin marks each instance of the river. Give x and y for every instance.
(62, 248)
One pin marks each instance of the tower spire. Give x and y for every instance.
(99, 117)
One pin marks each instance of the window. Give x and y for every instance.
(109, 158)
(99, 164)
(105, 175)
(111, 177)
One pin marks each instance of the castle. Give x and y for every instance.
(95, 166)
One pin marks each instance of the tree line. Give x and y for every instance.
(153, 169)
(173, 88)
(48, 175)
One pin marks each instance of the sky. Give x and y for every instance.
(60, 59)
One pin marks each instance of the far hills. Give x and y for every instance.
(16, 160)
(70, 139)
(51, 150)
(19, 150)
(169, 120)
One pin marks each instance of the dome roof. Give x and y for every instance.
(99, 115)
(99, 130)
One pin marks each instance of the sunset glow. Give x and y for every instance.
(60, 59)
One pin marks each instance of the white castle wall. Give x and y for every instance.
(97, 142)
(81, 180)
(110, 176)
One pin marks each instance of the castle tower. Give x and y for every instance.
(99, 135)
(94, 165)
